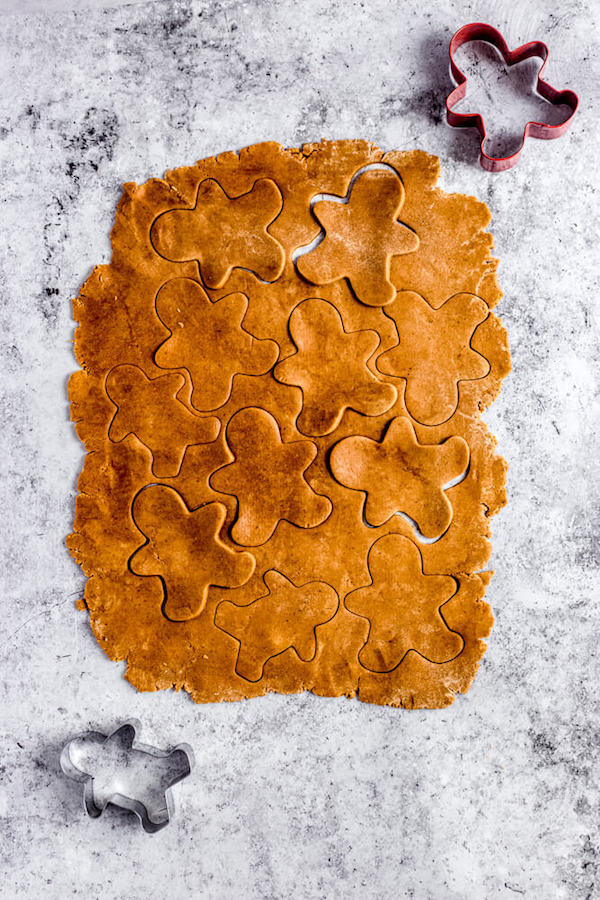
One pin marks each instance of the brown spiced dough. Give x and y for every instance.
(435, 354)
(286, 617)
(330, 366)
(221, 232)
(361, 237)
(184, 549)
(400, 475)
(266, 476)
(149, 409)
(267, 381)
(208, 339)
(404, 607)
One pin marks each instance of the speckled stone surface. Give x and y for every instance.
(300, 797)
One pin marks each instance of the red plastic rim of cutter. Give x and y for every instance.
(478, 31)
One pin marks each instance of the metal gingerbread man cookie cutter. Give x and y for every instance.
(478, 31)
(117, 769)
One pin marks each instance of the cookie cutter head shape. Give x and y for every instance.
(117, 769)
(478, 31)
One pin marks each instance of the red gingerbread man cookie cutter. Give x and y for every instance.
(478, 31)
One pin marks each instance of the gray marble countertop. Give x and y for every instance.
(301, 797)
